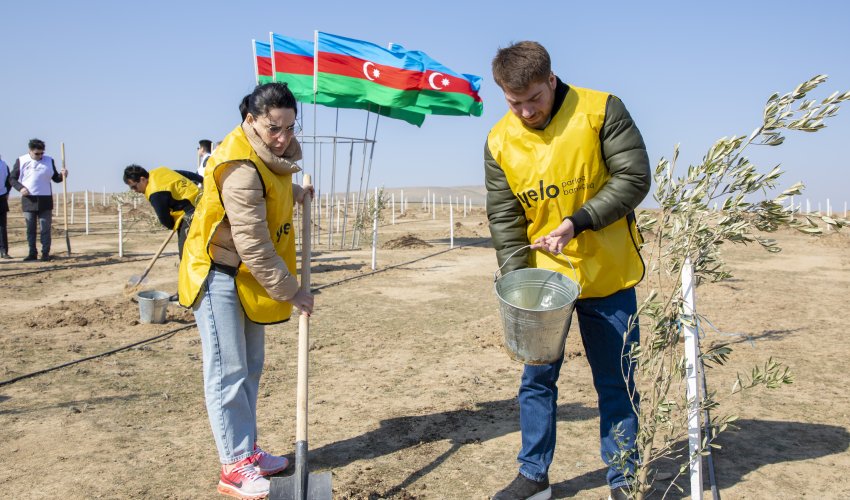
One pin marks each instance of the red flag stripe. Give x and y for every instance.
(354, 67)
(293, 63)
(264, 66)
(389, 76)
(435, 80)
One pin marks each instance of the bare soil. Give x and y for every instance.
(411, 393)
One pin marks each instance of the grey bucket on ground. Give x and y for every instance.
(536, 306)
(153, 305)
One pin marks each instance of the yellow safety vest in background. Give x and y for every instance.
(197, 262)
(164, 179)
(553, 172)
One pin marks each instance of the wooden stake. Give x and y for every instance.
(120, 232)
(451, 226)
(87, 211)
(65, 202)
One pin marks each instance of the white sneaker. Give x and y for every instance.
(268, 464)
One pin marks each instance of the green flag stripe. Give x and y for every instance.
(302, 88)
(364, 90)
(300, 85)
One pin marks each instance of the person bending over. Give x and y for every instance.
(173, 195)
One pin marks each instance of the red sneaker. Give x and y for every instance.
(243, 481)
(268, 464)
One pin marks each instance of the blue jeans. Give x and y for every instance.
(602, 323)
(44, 218)
(233, 350)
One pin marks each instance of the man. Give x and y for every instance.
(204, 152)
(173, 195)
(564, 170)
(5, 185)
(31, 175)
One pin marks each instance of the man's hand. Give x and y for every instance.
(64, 173)
(555, 241)
(303, 301)
(25, 192)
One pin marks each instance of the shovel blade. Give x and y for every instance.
(136, 280)
(318, 487)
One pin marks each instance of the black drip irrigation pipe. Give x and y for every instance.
(190, 325)
(121, 260)
(364, 275)
(95, 356)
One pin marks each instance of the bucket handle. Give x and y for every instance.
(497, 274)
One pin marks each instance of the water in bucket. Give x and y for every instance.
(536, 306)
(152, 306)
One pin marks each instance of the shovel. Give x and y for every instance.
(65, 202)
(135, 281)
(301, 485)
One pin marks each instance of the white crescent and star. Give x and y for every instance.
(376, 71)
(434, 86)
(371, 72)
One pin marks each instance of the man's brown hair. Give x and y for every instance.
(520, 65)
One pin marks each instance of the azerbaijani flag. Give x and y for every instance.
(366, 72)
(262, 62)
(294, 65)
(443, 91)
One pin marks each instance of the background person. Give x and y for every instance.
(565, 168)
(204, 152)
(5, 186)
(238, 275)
(173, 195)
(32, 176)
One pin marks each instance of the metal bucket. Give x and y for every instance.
(152, 306)
(536, 306)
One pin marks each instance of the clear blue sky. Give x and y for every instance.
(141, 82)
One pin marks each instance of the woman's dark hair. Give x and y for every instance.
(243, 107)
(265, 97)
(134, 173)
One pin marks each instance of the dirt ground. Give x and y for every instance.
(411, 393)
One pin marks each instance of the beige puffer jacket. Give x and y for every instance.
(243, 235)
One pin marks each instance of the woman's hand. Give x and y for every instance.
(298, 192)
(303, 301)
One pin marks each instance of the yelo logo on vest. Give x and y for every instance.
(552, 191)
(282, 229)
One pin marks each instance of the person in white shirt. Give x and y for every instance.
(32, 175)
(5, 185)
(204, 152)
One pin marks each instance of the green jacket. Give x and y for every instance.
(626, 159)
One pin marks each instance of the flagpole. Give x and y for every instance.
(315, 119)
(274, 69)
(372, 149)
(256, 67)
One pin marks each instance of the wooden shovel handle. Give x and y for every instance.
(303, 320)
(156, 256)
(64, 191)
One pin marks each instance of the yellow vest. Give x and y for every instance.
(553, 172)
(197, 261)
(164, 179)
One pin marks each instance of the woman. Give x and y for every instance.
(237, 274)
